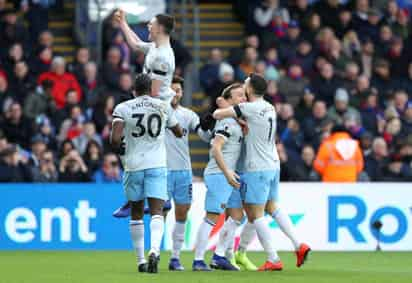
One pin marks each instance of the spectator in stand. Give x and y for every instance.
(342, 108)
(102, 116)
(125, 88)
(370, 28)
(329, 12)
(112, 69)
(399, 59)
(41, 63)
(209, 73)
(88, 134)
(289, 44)
(407, 120)
(226, 77)
(406, 81)
(15, 54)
(385, 40)
(248, 64)
(46, 38)
(263, 14)
(90, 86)
(304, 57)
(366, 140)
(400, 101)
(359, 94)
(339, 158)
(4, 89)
(312, 27)
(308, 173)
(313, 125)
(119, 42)
(345, 23)
(236, 54)
(11, 31)
(38, 147)
(273, 96)
(22, 82)
(396, 170)
(62, 81)
(382, 80)
(13, 168)
(305, 105)
(37, 14)
(351, 45)
(46, 131)
(292, 137)
(110, 172)
(366, 57)
(293, 84)
(72, 127)
(350, 77)
(285, 113)
(77, 68)
(46, 172)
(300, 10)
(392, 131)
(40, 101)
(17, 128)
(377, 160)
(372, 115)
(353, 124)
(93, 156)
(337, 58)
(326, 84)
(391, 11)
(72, 168)
(402, 25)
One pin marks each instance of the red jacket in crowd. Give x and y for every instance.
(61, 84)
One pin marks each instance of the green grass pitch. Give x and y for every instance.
(113, 267)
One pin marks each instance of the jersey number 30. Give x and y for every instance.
(152, 129)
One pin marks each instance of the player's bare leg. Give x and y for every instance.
(156, 232)
(255, 215)
(301, 249)
(137, 233)
(178, 236)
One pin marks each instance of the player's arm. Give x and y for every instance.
(156, 84)
(131, 37)
(231, 112)
(177, 130)
(117, 134)
(216, 151)
(160, 68)
(172, 124)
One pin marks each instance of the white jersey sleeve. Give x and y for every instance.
(120, 112)
(145, 46)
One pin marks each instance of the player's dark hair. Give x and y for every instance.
(178, 80)
(227, 92)
(142, 84)
(166, 21)
(258, 83)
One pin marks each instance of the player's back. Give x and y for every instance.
(145, 121)
(160, 65)
(230, 130)
(261, 153)
(178, 154)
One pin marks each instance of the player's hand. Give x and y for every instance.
(233, 179)
(119, 16)
(207, 122)
(244, 126)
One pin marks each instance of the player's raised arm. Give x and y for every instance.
(131, 37)
(230, 112)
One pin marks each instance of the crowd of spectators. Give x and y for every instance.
(55, 116)
(328, 63)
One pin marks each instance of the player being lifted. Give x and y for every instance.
(261, 161)
(159, 57)
(179, 177)
(138, 134)
(221, 180)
